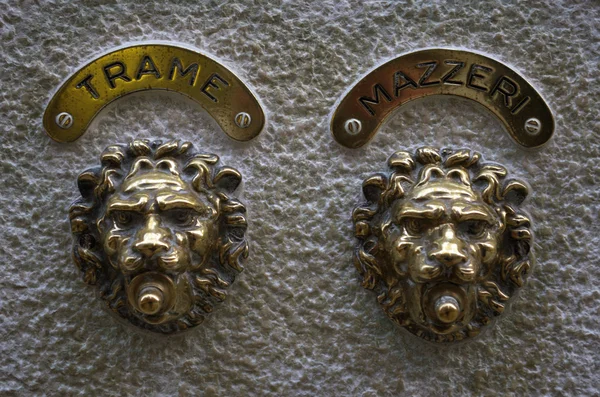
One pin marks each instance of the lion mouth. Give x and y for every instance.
(152, 294)
(445, 305)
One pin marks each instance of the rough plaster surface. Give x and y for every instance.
(298, 322)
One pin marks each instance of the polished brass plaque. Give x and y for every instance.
(439, 71)
(153, 67)
(159, 232)
(443, 241)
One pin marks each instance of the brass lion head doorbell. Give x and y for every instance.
(158, 228)
(442, 238)
(159, 232)
(443, 241)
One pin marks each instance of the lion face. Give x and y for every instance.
(441, 254)
(166, 246)
(447, 244)
(157, 231)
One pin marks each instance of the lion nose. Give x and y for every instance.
(150, 241)
(449, 248)
(449, 256)
(151, 245)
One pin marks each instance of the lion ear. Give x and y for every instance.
(87, 182)
(228, 178)
(515, 192)
(374, 186)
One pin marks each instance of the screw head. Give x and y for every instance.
(533, 126)
(64, 120)
(243, 120)
(353, 126)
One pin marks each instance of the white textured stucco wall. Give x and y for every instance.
(297, 322)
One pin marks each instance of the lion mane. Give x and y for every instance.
(203, 173)
(372, 221)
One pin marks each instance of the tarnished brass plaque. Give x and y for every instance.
(158, 230)
(153, 67)
(439, 71)
(443, 241)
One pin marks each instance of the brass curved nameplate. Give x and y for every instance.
(153, 67)
(440, 71)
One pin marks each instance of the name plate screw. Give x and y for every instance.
(243, 120)
(533, 126)
(352, 126)
(64, 120)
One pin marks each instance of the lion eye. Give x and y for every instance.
(415, 226)
(183, 217)
(123, 218)
(473, 228)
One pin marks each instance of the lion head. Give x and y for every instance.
(442, 241)
(158, 232)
